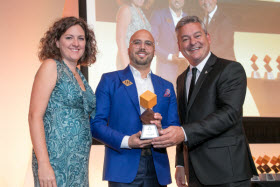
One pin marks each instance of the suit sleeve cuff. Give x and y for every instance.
(124, 144)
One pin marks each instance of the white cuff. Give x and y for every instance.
(124, 144)
(186, 138)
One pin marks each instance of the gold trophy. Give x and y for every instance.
(148, 100)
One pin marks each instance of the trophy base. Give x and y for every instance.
(255, 75)
(255, 178)
(149, 131)
(277, 176)
(269, 177)
(269, 76)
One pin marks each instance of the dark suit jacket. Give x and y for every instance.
(218, 148)
(163, 31)
(221, 30)
(118, 114)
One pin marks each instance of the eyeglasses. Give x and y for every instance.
(138, 43)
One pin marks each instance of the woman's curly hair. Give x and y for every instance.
(48, 48)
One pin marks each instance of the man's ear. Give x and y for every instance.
(208, 38)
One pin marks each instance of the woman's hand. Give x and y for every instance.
(46, 175)
(180, 177)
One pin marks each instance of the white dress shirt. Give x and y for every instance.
(142, 85)
(199, 67)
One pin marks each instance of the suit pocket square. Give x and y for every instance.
(167, 93)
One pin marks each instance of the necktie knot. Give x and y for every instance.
(194, 70)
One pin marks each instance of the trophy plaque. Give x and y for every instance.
(255, 177)
(148, 100)
(255, 74)
(268, 74)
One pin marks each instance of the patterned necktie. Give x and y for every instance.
(192, 83)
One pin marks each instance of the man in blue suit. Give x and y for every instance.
(170, 63)
(117, 121)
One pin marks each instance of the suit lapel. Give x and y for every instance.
(124, 75)
(203, 75)
(214, 22)
(170, 22)
(182, 94)
(158, 90)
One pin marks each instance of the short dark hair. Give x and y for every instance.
(48, 48)
(190, 19)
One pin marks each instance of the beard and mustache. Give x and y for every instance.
(141, 61)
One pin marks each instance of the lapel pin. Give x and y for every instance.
(206, 72)
(127, 82)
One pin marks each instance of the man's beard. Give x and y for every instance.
(140, 62)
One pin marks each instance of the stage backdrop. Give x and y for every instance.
(256, 38)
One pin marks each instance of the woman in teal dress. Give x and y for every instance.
(60, 106)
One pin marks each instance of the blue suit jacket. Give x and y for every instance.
(117, 115)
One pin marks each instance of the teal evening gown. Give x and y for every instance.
(67, 129)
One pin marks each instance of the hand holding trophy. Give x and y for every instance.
(148, 100)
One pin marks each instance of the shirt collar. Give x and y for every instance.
(201, 65)
(211, 14)
(173, 14)
(137, 73)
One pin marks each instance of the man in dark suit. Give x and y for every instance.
(169, 62)
(220, 27)
(210, 96)
(117, 121)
